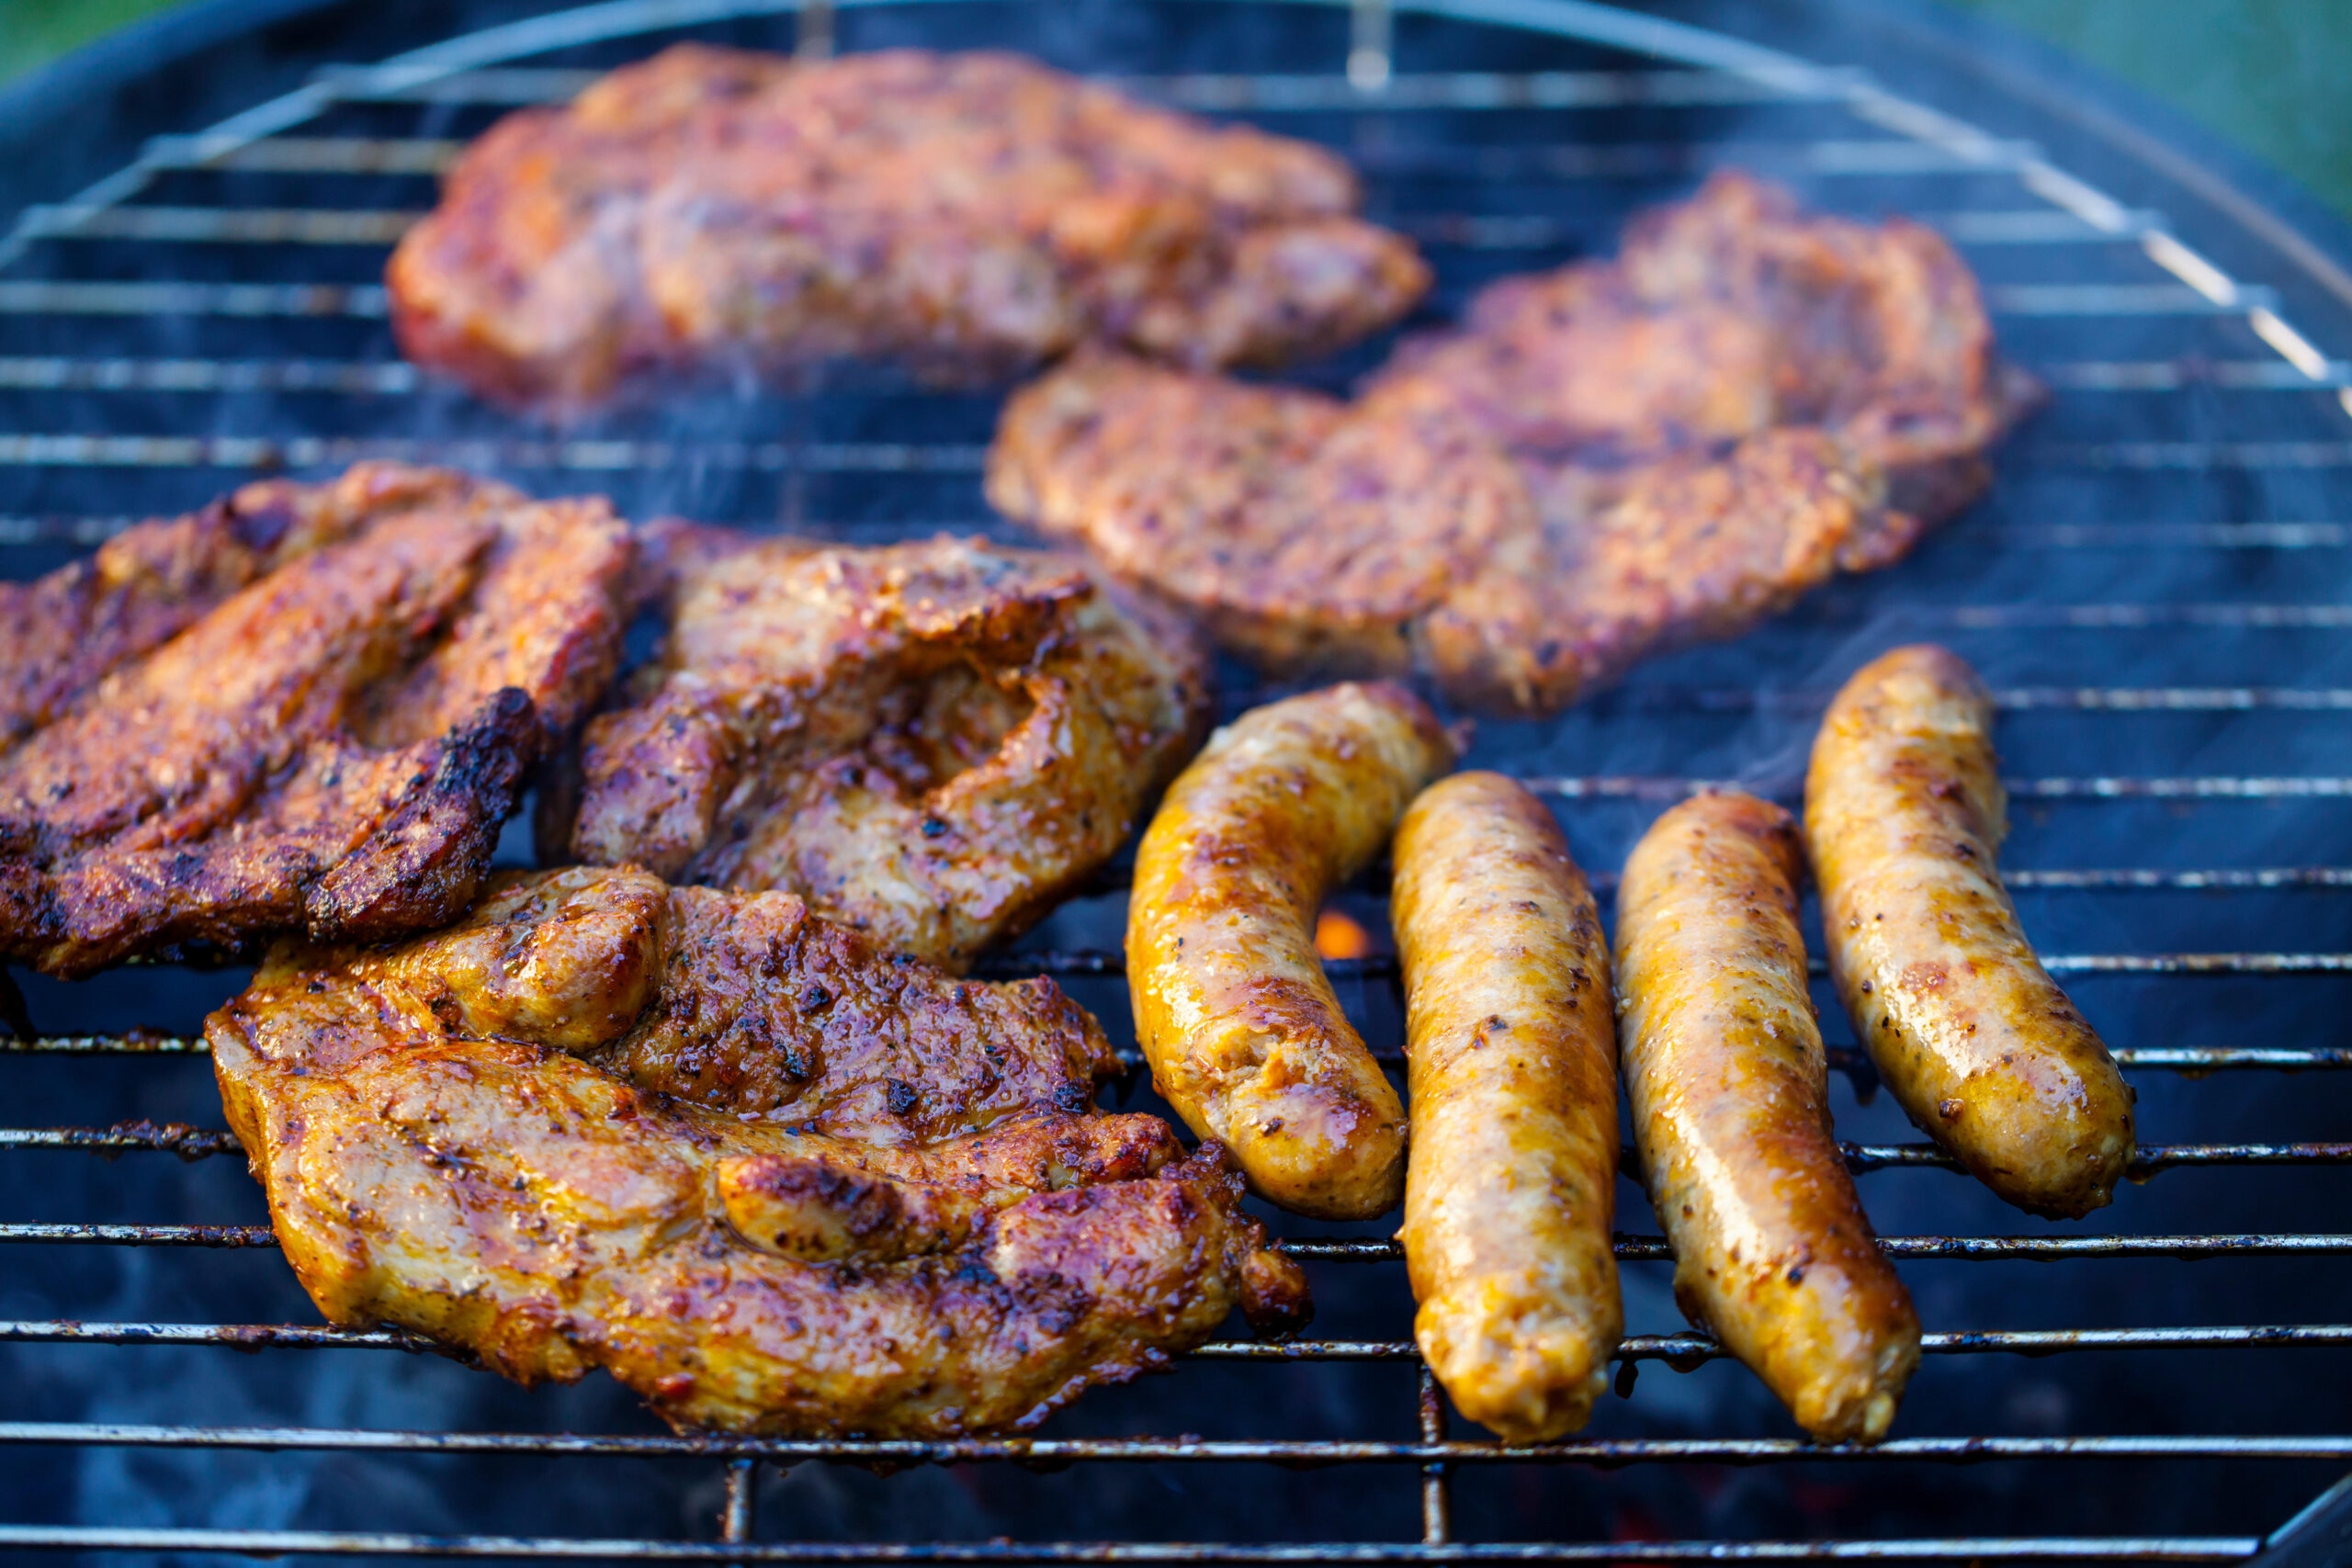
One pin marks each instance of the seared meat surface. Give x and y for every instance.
(930, 742)
(969, 214)
(878, 1202)
(1608, 459)
(309, 707)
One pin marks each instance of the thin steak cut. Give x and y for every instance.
(306, 707)
(968, 215)
(1607, 459)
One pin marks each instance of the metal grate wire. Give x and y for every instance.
(2107, 279)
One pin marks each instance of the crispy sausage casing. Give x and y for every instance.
(1513, 1170)
(1244, 1034)
(1724, 1067)
(1903, 813)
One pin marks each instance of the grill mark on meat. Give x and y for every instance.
(933, 743)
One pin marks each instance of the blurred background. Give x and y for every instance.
(2266, 74)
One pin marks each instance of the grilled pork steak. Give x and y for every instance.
(931, 742)
(1609, 458)
(898, 1218)
(307, 708)
(967, 214)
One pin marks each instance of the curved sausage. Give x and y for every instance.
(1513, 1079)
(1729, 1083)
(1903, 813)
(1244, 1034)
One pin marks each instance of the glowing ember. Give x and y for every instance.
(1337, 936)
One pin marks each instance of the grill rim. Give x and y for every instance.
(1433, 1454)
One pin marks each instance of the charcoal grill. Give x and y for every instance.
(2158, 588)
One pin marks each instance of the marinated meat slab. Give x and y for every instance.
(877, 1201)
(1606, 459)
(307, 708)
(930, 742)
(966, 214)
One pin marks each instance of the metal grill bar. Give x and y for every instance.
(1984, 1249)
(233, 1336)
(90, 530)
(378, 155)
(276, 1543)
(2164, 455)
(216, 225)
(1209, 92)
(1098, 962)
(1093, 963)
(48, 372)
(309, 155)
(2141, 535)
(2193, 1059)
(47, 449)
(1990, 1248)
(1681, 1347)
(2170, 376)
(368, 301)
(2147, 1160)
(741, 1514)
(155, 1138)
(110, 1044)
(42, 450)
(2103, 618)
(2100, 300)
(2012, 699)
(2263, 877)
(68, 296)
(1477, 232)
(370, 227)
(1437, 1491)
(1635, 786)
(496, 88)
(141, 1236)
(397, 377)
(1051, 1450)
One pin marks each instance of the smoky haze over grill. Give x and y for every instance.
(2155, 589)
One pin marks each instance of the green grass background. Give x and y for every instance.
(2275, 76)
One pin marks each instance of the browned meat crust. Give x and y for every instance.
(1730, 1091)
(1246, 1037)
(308, 707)
(464, 1136)
(932, 742)
(1904, 813)
(1609, 458)
(968, 213)
(1512, 1046)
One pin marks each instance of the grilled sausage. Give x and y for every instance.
(1903, 813)
(1729, 1084)
(1513, 1078)
(1244, 1034)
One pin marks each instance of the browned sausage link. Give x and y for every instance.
(1731, 1113)
(1244, 1034)
(1513, 1171)
(1903, 813)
